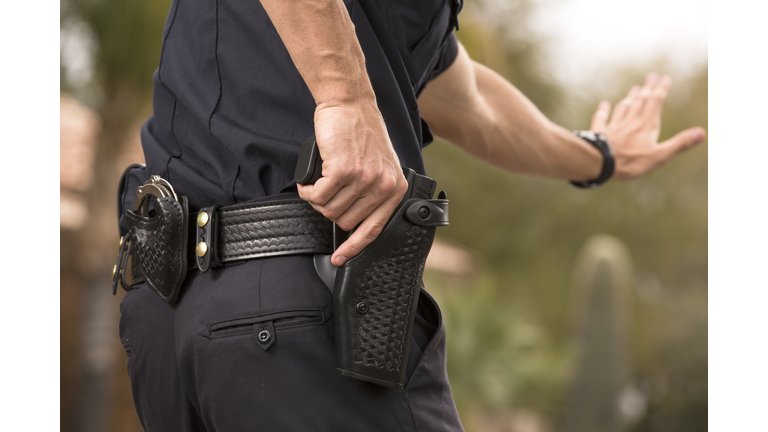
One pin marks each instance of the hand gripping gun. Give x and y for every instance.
(375, 294)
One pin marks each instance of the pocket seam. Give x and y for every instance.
(318, 313)
(297, 326)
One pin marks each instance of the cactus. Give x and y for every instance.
(602, 289)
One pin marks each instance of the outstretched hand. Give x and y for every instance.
(362, 181)
(633, 129)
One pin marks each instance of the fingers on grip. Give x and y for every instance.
(370, 228)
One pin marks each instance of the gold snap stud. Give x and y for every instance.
(202, 219)
(114, 270)
(119, 245)
(201, 249)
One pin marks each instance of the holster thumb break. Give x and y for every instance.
(376, 294)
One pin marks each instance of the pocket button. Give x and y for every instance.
(264, 333)
(264, 336)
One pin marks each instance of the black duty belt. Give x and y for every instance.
(221, 235)
(375, 293)
(164, 242)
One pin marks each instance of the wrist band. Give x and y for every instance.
(600, 141)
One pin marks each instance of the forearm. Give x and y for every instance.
(320, 38)
(362, 182)
(491, 119)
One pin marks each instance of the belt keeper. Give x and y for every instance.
(206, 248)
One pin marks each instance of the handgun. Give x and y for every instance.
(375, 294)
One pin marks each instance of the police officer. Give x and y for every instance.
(239, 86)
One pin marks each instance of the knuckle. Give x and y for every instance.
(331, 213)
(346, 172)
(346, 225)
(367, 177)
(353, 249)
(304, 194)
(387, 185)
(319, 199)
(373, 231)
(311, 198)
(402, 188)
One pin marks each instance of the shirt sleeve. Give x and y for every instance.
(450, 50)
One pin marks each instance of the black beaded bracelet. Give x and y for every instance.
(600, 141)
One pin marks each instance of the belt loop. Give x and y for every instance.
(206, 247)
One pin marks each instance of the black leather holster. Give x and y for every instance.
(376, 294)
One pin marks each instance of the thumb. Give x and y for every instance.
(682, 141)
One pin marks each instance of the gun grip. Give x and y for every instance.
(310, 166)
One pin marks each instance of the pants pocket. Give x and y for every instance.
(264, 327)
(425, 326)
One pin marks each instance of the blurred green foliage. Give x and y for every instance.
(128, 35)
(527, 232)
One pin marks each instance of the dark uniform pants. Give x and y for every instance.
(250, 347)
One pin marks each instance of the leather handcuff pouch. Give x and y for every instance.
(156, 241)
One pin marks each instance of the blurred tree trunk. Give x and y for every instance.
(70, 355)
(128, 35)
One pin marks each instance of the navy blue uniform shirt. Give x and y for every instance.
(231, 110)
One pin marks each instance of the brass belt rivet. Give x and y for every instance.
(202, 219)
(201, 249)
(121, 243)
(114, 270)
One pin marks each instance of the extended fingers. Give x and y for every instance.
(600, 118)
(654, 98)
(680, 142)
(625, 106)
(643, 96)
(644, 102)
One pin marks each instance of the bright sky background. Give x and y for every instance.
(589, 35)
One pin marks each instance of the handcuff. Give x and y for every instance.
(157, 187)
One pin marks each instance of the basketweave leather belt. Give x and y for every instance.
(165, 242)
(221, 235)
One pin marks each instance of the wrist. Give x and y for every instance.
(336, 88)
(359, 101)
(597, 141)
